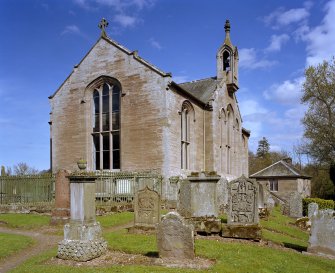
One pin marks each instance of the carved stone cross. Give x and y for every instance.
(102, 25)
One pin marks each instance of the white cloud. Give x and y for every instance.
(155, 44)
(277, 41)
(125, 20)
(248, 59)
(281, 17)
(296, 113)
(72, 29)
(321, 39)
(287, 92)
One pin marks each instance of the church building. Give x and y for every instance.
(121, 113)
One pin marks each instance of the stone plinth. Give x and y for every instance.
(82, 236)
(322, 234)
(175, 238)
(197, 201)
(61, 212)
(243, 219)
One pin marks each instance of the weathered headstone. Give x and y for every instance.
(82, 236)
(175, 238)
(312, 209)
(197, 201)
(222, 194)
(322, 234)
(147, 209)
(242, 215)
(295, 205)
(61, 212)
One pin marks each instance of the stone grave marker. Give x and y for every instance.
(175, 238)
(322, 234)
(147, 209)
(295, 205)
(312, 210)
(243, 219)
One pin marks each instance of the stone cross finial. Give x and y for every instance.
(102, 25)
(227, 26)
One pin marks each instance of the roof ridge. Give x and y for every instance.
(214, 78)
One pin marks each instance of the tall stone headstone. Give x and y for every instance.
(175, 238)
(61, 212)
(82, 236)
(242, 215)
(322, 234)
(295, 205)
(147, 208)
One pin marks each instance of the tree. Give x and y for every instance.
(263, 147)
(319, 120)
(23, 169)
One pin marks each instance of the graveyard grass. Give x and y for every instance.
(12, 243)
(230, 256)
(24, 221)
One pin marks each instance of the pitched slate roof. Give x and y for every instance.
(201, 89)
(280, 169)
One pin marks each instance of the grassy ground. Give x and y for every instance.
(116, 219)
(12, 243)
(281, 229)
(25, 221)
(230, 256)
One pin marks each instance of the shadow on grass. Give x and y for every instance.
(152, 254)
(295, 247)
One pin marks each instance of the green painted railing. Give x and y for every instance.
(32, 189)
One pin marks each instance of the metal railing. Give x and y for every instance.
(120, 187)
(27, 189)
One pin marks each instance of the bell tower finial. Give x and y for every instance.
(227, 62)
(102, 25)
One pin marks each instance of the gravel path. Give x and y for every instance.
(44, 241)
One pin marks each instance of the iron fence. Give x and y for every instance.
(120, 187)
(27, 189)
(111, 187)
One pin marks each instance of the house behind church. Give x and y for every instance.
(119, 112)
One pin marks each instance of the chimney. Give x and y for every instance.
(288, 160)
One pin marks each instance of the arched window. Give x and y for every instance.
(223, 142)
(226, 61)
(230, 132)
(106, 125)
(186, 116)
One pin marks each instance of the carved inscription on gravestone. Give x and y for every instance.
(147, 208)
(242, 199)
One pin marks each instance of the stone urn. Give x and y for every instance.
(82, 164)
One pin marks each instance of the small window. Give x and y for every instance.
(273, 185)
(226, 61)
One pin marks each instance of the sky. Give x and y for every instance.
(42, 40)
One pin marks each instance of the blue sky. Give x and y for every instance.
(42, 40)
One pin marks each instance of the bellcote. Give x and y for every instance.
(227, 62)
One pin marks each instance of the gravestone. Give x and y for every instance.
(146, 210)
(295, 205)
(322, 234)
(197, 201)
(243, 219)
(313, 208)
(82, 236)
(222, 194)
(175, 238)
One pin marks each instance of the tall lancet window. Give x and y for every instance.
(230, 131)
(186, 117)
(106, 126)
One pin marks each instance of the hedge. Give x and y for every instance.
(323, 204)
